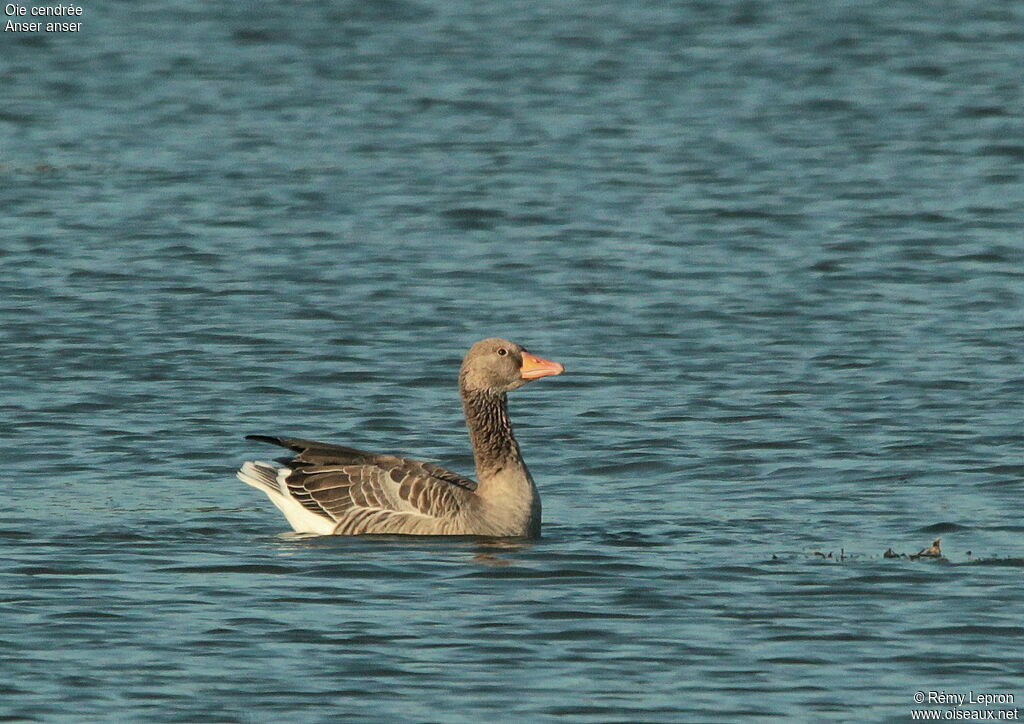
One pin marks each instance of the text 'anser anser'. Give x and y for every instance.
(334, 490)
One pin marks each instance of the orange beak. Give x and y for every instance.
(534, 367)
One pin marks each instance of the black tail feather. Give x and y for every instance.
(271, 439)
(317, 453)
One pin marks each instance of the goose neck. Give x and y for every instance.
(490, 431)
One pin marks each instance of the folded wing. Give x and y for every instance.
(330, 488)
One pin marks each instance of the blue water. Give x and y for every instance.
(777, 247)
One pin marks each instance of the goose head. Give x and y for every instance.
(496, 365)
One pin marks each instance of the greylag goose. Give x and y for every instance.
(334, 490)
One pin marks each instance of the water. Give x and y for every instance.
(777, 248)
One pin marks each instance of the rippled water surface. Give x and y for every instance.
(777, 246)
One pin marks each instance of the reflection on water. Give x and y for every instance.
(489, 559)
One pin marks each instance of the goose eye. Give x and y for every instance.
(502, 351)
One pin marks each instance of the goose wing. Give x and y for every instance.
(362, 492)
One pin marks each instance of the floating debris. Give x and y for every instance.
(932, 551)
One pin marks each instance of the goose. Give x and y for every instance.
(334, 490)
